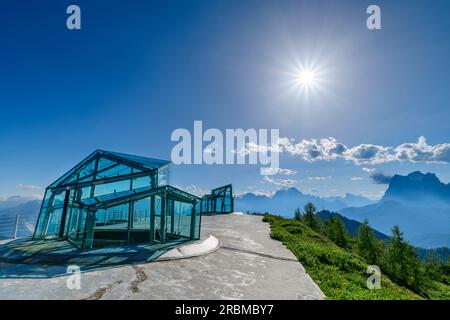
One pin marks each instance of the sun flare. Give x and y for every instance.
(307, 78)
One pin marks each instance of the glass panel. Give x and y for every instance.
(141, 214)
(77, 225)
(40, 226)
(113, 218)
(111, 188)
(104, 163)
(50, 216)
(111, 226)
(84, 193)
(70, 206)
(140, 227)
(141, 182)
(157, 229)
(198, 221)
(81, 173)
(219, 201)
(178, 222)
(54, 223)
(119, 170)
(163, 176)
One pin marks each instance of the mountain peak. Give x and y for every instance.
(418, 186)
(291, 191)
(418, 175)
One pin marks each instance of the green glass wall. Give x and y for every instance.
(220, 201)
(110, 199)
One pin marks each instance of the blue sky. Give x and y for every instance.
(140, 69)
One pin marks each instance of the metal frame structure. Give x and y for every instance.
(116, 198)
(219, 201)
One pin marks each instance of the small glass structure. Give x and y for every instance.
(220, 201)
(115, 198)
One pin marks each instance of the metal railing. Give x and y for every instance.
(13, 227)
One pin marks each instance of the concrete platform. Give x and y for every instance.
(38, 258)
(247, 265)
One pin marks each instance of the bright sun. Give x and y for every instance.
(307, 78)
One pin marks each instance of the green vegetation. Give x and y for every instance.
(367, 245)
(338, 262)
(334, 229)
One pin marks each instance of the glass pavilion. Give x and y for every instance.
(115, 198)
(220, 201)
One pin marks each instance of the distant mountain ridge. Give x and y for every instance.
(419, 203)
(285, 201)
(15, 201)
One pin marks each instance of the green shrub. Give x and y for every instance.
(294, 230)
(340, 273)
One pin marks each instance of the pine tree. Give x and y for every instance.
(402, 264)
(433, 267)
(298, 214)
(336, 232)
(367, 246)
(309, 216)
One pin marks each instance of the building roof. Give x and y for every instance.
(86, 167)
(116, 198)
(149, 163)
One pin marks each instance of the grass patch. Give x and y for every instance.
(340, 273)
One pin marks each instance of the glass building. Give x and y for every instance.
(220, 201)
(115, 198)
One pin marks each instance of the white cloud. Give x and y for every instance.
(369, 153)
(423, 152)
(36, 196)
(28, 186)
(287, 172)
(381, 178)
(356, 178)
(319, 178)
(369, 170)
(313, 150)
(261, 192)
(272, 171)
(329, 149)
(284, 183)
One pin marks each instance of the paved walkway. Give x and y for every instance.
(248, 265)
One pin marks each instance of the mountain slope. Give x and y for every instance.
(352, 226)
(340, 273)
